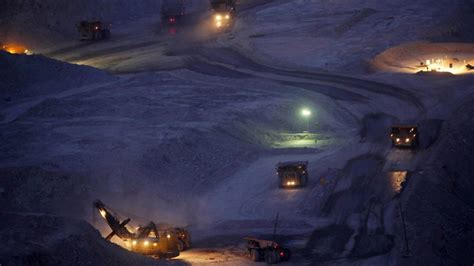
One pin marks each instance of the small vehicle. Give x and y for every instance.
(93, 30)
(404, 136)
(266, 250)
(292, 174)
(146, 240)
(223, 13)
(172, 12)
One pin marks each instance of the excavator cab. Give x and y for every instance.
(150, 241)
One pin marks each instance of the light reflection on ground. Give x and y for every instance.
(396, 178)
(219, 256)
(297, 140)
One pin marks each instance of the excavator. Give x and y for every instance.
(146, 240)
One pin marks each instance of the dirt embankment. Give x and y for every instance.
(52, 240)
(438, 202)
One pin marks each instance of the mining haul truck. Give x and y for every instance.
(172, 13)
(292, 174)
(223, 13)
(93, 30)
(404, 136)
(147, 240)
(266, 250)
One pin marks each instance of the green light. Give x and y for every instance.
(306, 112)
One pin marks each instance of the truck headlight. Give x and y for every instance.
(218, 17)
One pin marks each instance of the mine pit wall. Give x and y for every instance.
(438, 203)
(43, 23)
(157, 184)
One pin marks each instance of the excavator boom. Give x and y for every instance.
(117, 226)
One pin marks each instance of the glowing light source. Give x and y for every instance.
(103, 213)
(168, 236)
(134, 242)
(146, 243)
(306, 112)
(15, 49)
(446, 64)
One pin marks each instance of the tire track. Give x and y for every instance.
(231, 59)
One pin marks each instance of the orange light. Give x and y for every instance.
(15, 49)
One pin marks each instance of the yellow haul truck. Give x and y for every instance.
(223, 13)
(404, 136)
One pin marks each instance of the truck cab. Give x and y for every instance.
(292, 174)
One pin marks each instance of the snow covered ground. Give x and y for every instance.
(343, 35)
(187, 129)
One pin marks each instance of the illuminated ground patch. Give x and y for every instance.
(299, 140)
(455, 58)
(396, 180)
